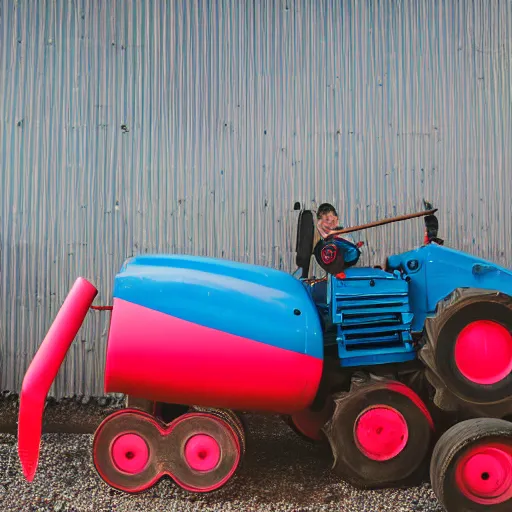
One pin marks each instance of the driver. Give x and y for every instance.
(327, 217)
(338, 253)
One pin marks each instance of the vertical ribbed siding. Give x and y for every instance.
(233, 111)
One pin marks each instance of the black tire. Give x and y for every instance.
(466, 307)
(406, 467)
(449, 453)
(305, 239)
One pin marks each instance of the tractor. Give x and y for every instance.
(404, 369)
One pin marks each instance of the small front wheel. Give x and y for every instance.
(125, 450)
(208, 451)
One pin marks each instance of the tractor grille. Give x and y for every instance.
(373, 319)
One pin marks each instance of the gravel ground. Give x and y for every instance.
(281, 472)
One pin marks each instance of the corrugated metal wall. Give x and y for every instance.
(194, 126)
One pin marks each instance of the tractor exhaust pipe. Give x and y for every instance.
(44, 368)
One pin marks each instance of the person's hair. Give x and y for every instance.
(324, 209)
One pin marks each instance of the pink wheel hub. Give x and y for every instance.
(202, 452)
(483, 352)
(130, 453)
(484, 475)
(381, 433)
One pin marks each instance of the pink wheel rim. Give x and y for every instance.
(202, 452)
(381, 433)
(483, 352)
(130, 453)
(484, 475)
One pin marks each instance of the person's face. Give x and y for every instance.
(329, 221)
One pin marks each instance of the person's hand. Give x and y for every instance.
(324, 231)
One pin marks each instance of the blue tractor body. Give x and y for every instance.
(377, 316)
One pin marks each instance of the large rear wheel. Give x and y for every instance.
(468, 352)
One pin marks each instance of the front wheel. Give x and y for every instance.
(380, 435)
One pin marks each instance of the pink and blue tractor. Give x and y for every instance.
(405, 370)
